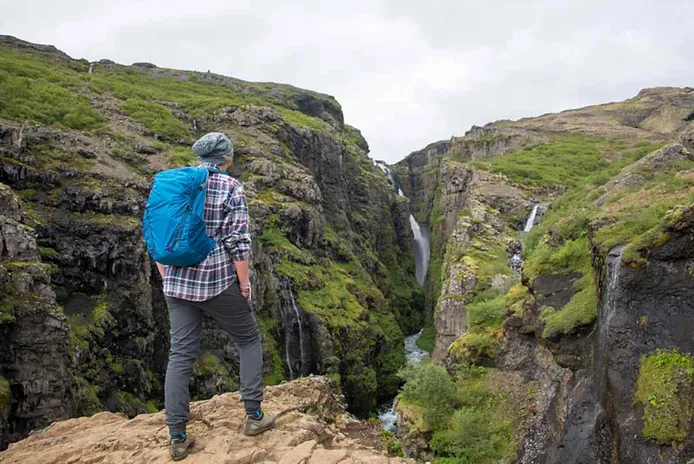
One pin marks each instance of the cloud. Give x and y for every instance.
(406, 72)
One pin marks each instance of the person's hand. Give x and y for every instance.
(246, 290)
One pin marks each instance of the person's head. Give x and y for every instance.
(215, 148)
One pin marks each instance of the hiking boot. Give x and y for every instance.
(257, 426)
(179, 445)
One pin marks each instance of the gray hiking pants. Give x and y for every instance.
(232, 312)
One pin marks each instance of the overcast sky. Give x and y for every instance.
(407, 72)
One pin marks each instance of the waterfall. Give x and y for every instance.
(291, 317)
(91, 68)
(414, 354)
(301, 333)
(614, 266)
(195, 126)
(516, 261)
(531, 219)
(422, 251)
(386, 170)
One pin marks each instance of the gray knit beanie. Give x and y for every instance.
(214, 148)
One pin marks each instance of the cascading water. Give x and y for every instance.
(421, 251)
(293, 329)
(516, 261)
(531, 219)
(614, 263)
(301, 333)
(414, 354)
(91, 68)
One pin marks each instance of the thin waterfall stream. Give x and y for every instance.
(422, 253)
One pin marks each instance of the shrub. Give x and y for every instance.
(430, 387)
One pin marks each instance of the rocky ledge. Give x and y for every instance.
(312, 428)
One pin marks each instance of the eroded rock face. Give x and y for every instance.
(35, 363)
(312, 427)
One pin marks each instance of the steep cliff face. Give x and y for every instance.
(332, 268)
(590, 338)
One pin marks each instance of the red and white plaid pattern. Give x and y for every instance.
(226, 221)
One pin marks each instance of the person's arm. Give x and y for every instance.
(236, 236)
(161, 269)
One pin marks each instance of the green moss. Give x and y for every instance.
(182, 157)
(152, 407)
(129, 404)
(156, 118)
(427, 340)
(209, 366)
(275, 367)
(665, 388)
(48, 253)
(581, 310)
(477, 346)
(486, 312)
(5, 394)
(86, 398)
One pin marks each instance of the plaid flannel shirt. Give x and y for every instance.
(226, 221)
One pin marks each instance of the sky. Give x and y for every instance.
(406, 72)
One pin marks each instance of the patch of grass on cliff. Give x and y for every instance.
(156, 118)
(30, 90)
(567, 160)
(665, 388)
(5, 393)
(427, 340)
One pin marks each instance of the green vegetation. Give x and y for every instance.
(5, 394)
(471, 419)
(430, 388)
(665, 388)
(156, 118)
(560, 244)
(183, 157)
(390, 444)
(86, 398)
(30, 90)
(566, 160)
(33, 88)
(427, 340)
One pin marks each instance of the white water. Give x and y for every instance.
(91, 67)
(516, 261)
(422, 252)
(531, 219)
(414, 354)
(288, 322)
(613, 282)
(301, 332)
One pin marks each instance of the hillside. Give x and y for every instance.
(559, 287)
(83, 319)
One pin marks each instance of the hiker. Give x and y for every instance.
(219, 287)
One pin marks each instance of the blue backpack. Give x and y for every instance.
(173, 223)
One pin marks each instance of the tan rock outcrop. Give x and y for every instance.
(312, 428)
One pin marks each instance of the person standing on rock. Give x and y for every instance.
(218, 286)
